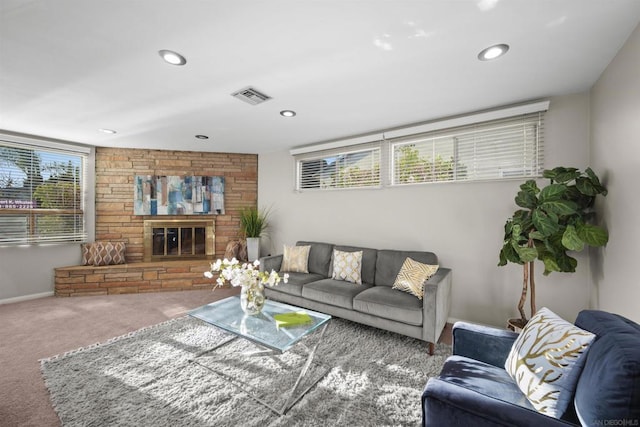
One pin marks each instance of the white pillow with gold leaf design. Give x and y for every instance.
(546, 361)
(347, 266)
(295, 259)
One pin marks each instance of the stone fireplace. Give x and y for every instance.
(178, 239)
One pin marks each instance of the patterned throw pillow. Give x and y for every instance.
(546, 361)
(347, 266)
(85, 249)
(412, 276)
(107, 253)
(295, 259)
(236, 249)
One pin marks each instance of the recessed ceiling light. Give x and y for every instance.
(108, 131)
(493, 52)
(172, 57)
(202, 137)
(287, 113)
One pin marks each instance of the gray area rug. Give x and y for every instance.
(149, 378)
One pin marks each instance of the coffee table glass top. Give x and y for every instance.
(261, 328)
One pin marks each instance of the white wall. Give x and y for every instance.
(615, 151)
(28, 270)
(461, 222)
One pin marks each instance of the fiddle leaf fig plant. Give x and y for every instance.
(551, 222)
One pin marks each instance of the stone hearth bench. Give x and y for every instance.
(134, 277)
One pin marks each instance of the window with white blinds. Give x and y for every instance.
(41, 193)
(497, 144)
(346, 167)
(497, 149)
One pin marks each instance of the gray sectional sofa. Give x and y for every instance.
(374, 302)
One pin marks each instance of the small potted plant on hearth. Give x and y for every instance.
(253, 224)
(551, 222)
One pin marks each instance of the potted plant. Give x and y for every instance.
(253, 223)
(551, 222)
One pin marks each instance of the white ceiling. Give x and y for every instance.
(70, 67)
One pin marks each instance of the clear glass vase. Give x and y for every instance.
(252, 298)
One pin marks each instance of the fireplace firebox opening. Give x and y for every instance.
(178, 239)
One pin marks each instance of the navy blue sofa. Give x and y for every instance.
(473, 389)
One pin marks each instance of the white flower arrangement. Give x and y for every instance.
(243, 274)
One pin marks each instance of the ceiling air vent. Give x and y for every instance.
(251, 96)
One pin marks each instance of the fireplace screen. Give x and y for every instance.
(178, 239)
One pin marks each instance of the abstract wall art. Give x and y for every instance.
(178, 195)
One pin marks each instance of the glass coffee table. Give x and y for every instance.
(271, 340)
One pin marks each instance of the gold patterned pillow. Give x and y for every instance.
(107, 253)
(546, 361)
(295, 259)
(412, 276)
(347, 266)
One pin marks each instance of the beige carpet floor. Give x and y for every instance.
(41, 328)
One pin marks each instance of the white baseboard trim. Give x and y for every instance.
(26, 297)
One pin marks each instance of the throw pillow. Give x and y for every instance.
(347, 266)
(295, 259)
(85, 249)
(546, 361)
(107, 253)
(236, 249)
(412, 276)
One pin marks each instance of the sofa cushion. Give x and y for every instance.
(389, 263)
(609, 387)
(546, 361)
(347, 266)
(485, 379)
(602, 323)
(388, 303)
(333, 292)
(295, 259)
(369, 257)
(319, 257)
(295, 282)
(412, 276)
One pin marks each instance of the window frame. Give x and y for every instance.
(389, 139)
(473, 134)
(373, 148)
(78, 232)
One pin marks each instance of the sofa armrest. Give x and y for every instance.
(272, 262)
(436, 304)
(484, 343)
(448, 404)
